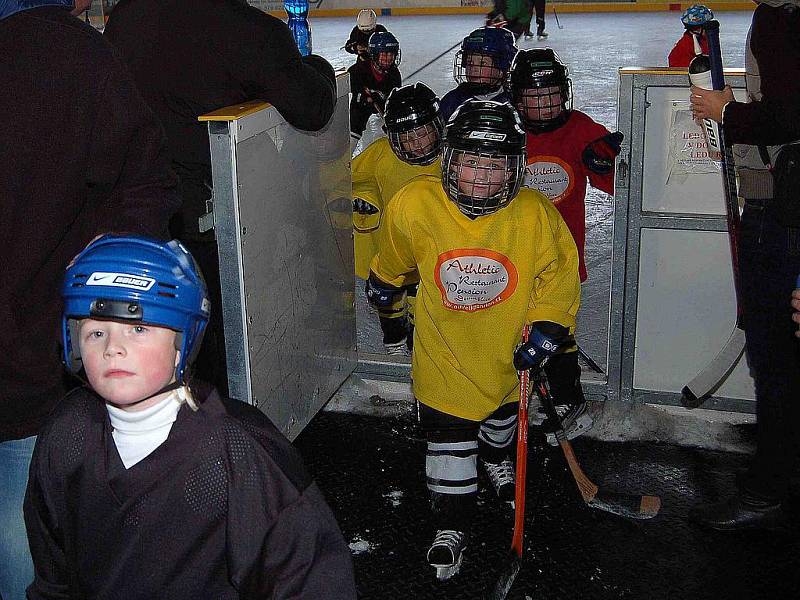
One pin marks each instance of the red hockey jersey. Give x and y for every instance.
(556, 168)
(683, 52)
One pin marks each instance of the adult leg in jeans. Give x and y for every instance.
(16, 567)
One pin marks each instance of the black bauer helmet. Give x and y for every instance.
(533, 75)
(413, 124)
(484, 157)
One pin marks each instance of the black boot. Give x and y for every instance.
(740, 512)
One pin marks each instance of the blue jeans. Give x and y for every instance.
(769, 262)
(16, 567)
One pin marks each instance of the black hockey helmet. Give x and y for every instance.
(484, 157)
(413, 123)
(533, 72)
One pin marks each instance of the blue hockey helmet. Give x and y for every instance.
(136, 279)
(696, 15)
(495, 42)
(383, 42)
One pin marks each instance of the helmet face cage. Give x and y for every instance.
(481, 182)
(137, 280)
(479, 68)
(384, 50)
(485, 57)
(420, 145)
(544, 107)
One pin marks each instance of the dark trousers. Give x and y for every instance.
(453, 447)
(769, 261)
(536, 7)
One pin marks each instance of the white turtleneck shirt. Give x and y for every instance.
(138, 433)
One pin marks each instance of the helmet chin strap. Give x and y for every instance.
(167, 388)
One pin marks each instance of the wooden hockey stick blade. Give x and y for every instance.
(707, 381)
(632, 506)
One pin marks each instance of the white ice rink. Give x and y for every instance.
(594, 46)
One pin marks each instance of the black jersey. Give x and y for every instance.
(222, 509)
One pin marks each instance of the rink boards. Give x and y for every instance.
(673, 304)
(282, 213)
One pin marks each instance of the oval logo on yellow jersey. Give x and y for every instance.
(474, 278)
(551, 176)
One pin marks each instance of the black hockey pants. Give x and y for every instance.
(454, 445)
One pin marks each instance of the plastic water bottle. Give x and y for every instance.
(700, 75)
(298, 24)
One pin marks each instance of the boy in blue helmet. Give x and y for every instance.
(142, 487)
(372, 80)
(480, 68)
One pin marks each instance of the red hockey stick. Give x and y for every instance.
(512, 567)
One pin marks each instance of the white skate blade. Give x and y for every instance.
(580, 426)
(542, 36)
(445, 572)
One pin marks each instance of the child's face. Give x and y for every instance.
(420, 140)
(481, 69)
(480, 177)
(126, 362)
(385, 60)
(541, 104)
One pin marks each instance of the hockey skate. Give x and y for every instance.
(447, 552)
(541, 35)
(528, 34)
(397, 348)
(575, 421)
(501, 476)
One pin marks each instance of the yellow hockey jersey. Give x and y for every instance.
(377, 176)
(480, 281)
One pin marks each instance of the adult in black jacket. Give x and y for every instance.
(82, 154)
(190, 58)
(769, 262)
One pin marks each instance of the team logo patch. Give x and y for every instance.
(473, 279)
(487, 135)
(123, 280)
(551, 176)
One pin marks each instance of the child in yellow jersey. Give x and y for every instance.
(415, 131)
(482, 276)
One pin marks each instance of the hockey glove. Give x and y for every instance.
(599, 155)
(380, 294)
(362, 207)
(545, 339)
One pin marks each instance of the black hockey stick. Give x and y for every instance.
(555, 14)
(632, 506)
(514, 560)
(589, 361)
(707, 381)
(433, 60)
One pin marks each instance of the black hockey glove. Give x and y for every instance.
(380, 294)
(545, 339)
(362, 207)
(599, 155)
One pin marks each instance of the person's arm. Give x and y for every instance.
(557, 291)
(395, 259)
(129, 182)
(51, 581)
(775, 118)
(269, 67)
